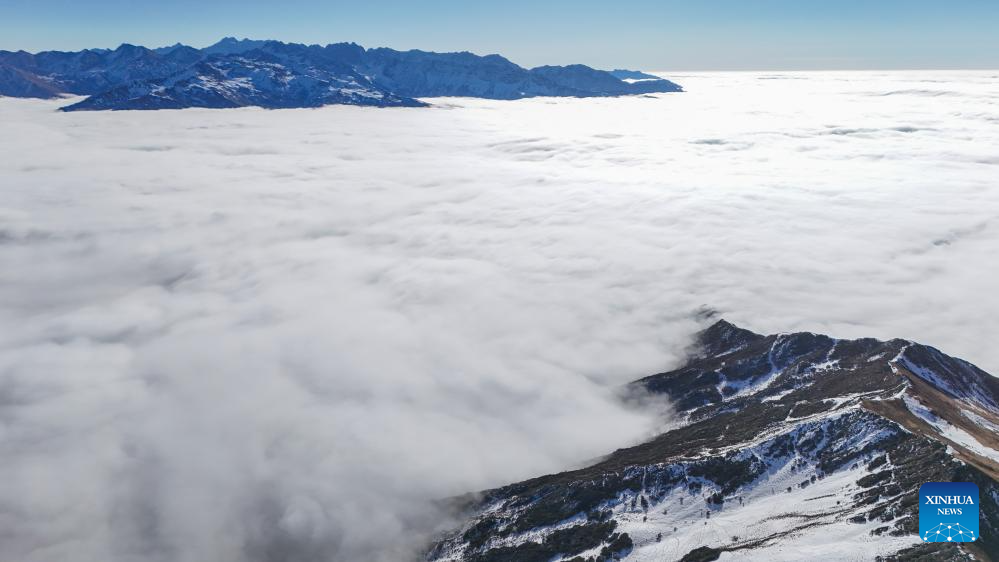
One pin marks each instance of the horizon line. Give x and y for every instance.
(618, 66)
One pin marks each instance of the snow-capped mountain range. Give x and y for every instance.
(273, 74)
(791, 447)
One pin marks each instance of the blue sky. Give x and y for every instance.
(647, 34)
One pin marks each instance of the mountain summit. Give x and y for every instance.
(244, 72)
(791, 447)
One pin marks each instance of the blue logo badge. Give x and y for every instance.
(948, 512)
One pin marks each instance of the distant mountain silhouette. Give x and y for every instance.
(272, 74)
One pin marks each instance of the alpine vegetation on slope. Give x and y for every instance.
(793, 447)
(272, 74)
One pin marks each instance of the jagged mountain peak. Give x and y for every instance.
(722, 337)
(231, 45)
(170, 47)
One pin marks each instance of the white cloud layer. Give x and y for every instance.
(275, 335)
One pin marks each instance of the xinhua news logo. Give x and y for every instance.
(948, 512)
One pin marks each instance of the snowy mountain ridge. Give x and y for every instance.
(273, 74)
(792, 447)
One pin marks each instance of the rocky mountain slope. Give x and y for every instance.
(791, 447)
(272, 74)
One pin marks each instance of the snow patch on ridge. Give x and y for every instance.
(948, 430)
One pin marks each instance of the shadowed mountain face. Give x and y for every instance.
(272, 74)
(791, 446)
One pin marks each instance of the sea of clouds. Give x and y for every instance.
(279, 335)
